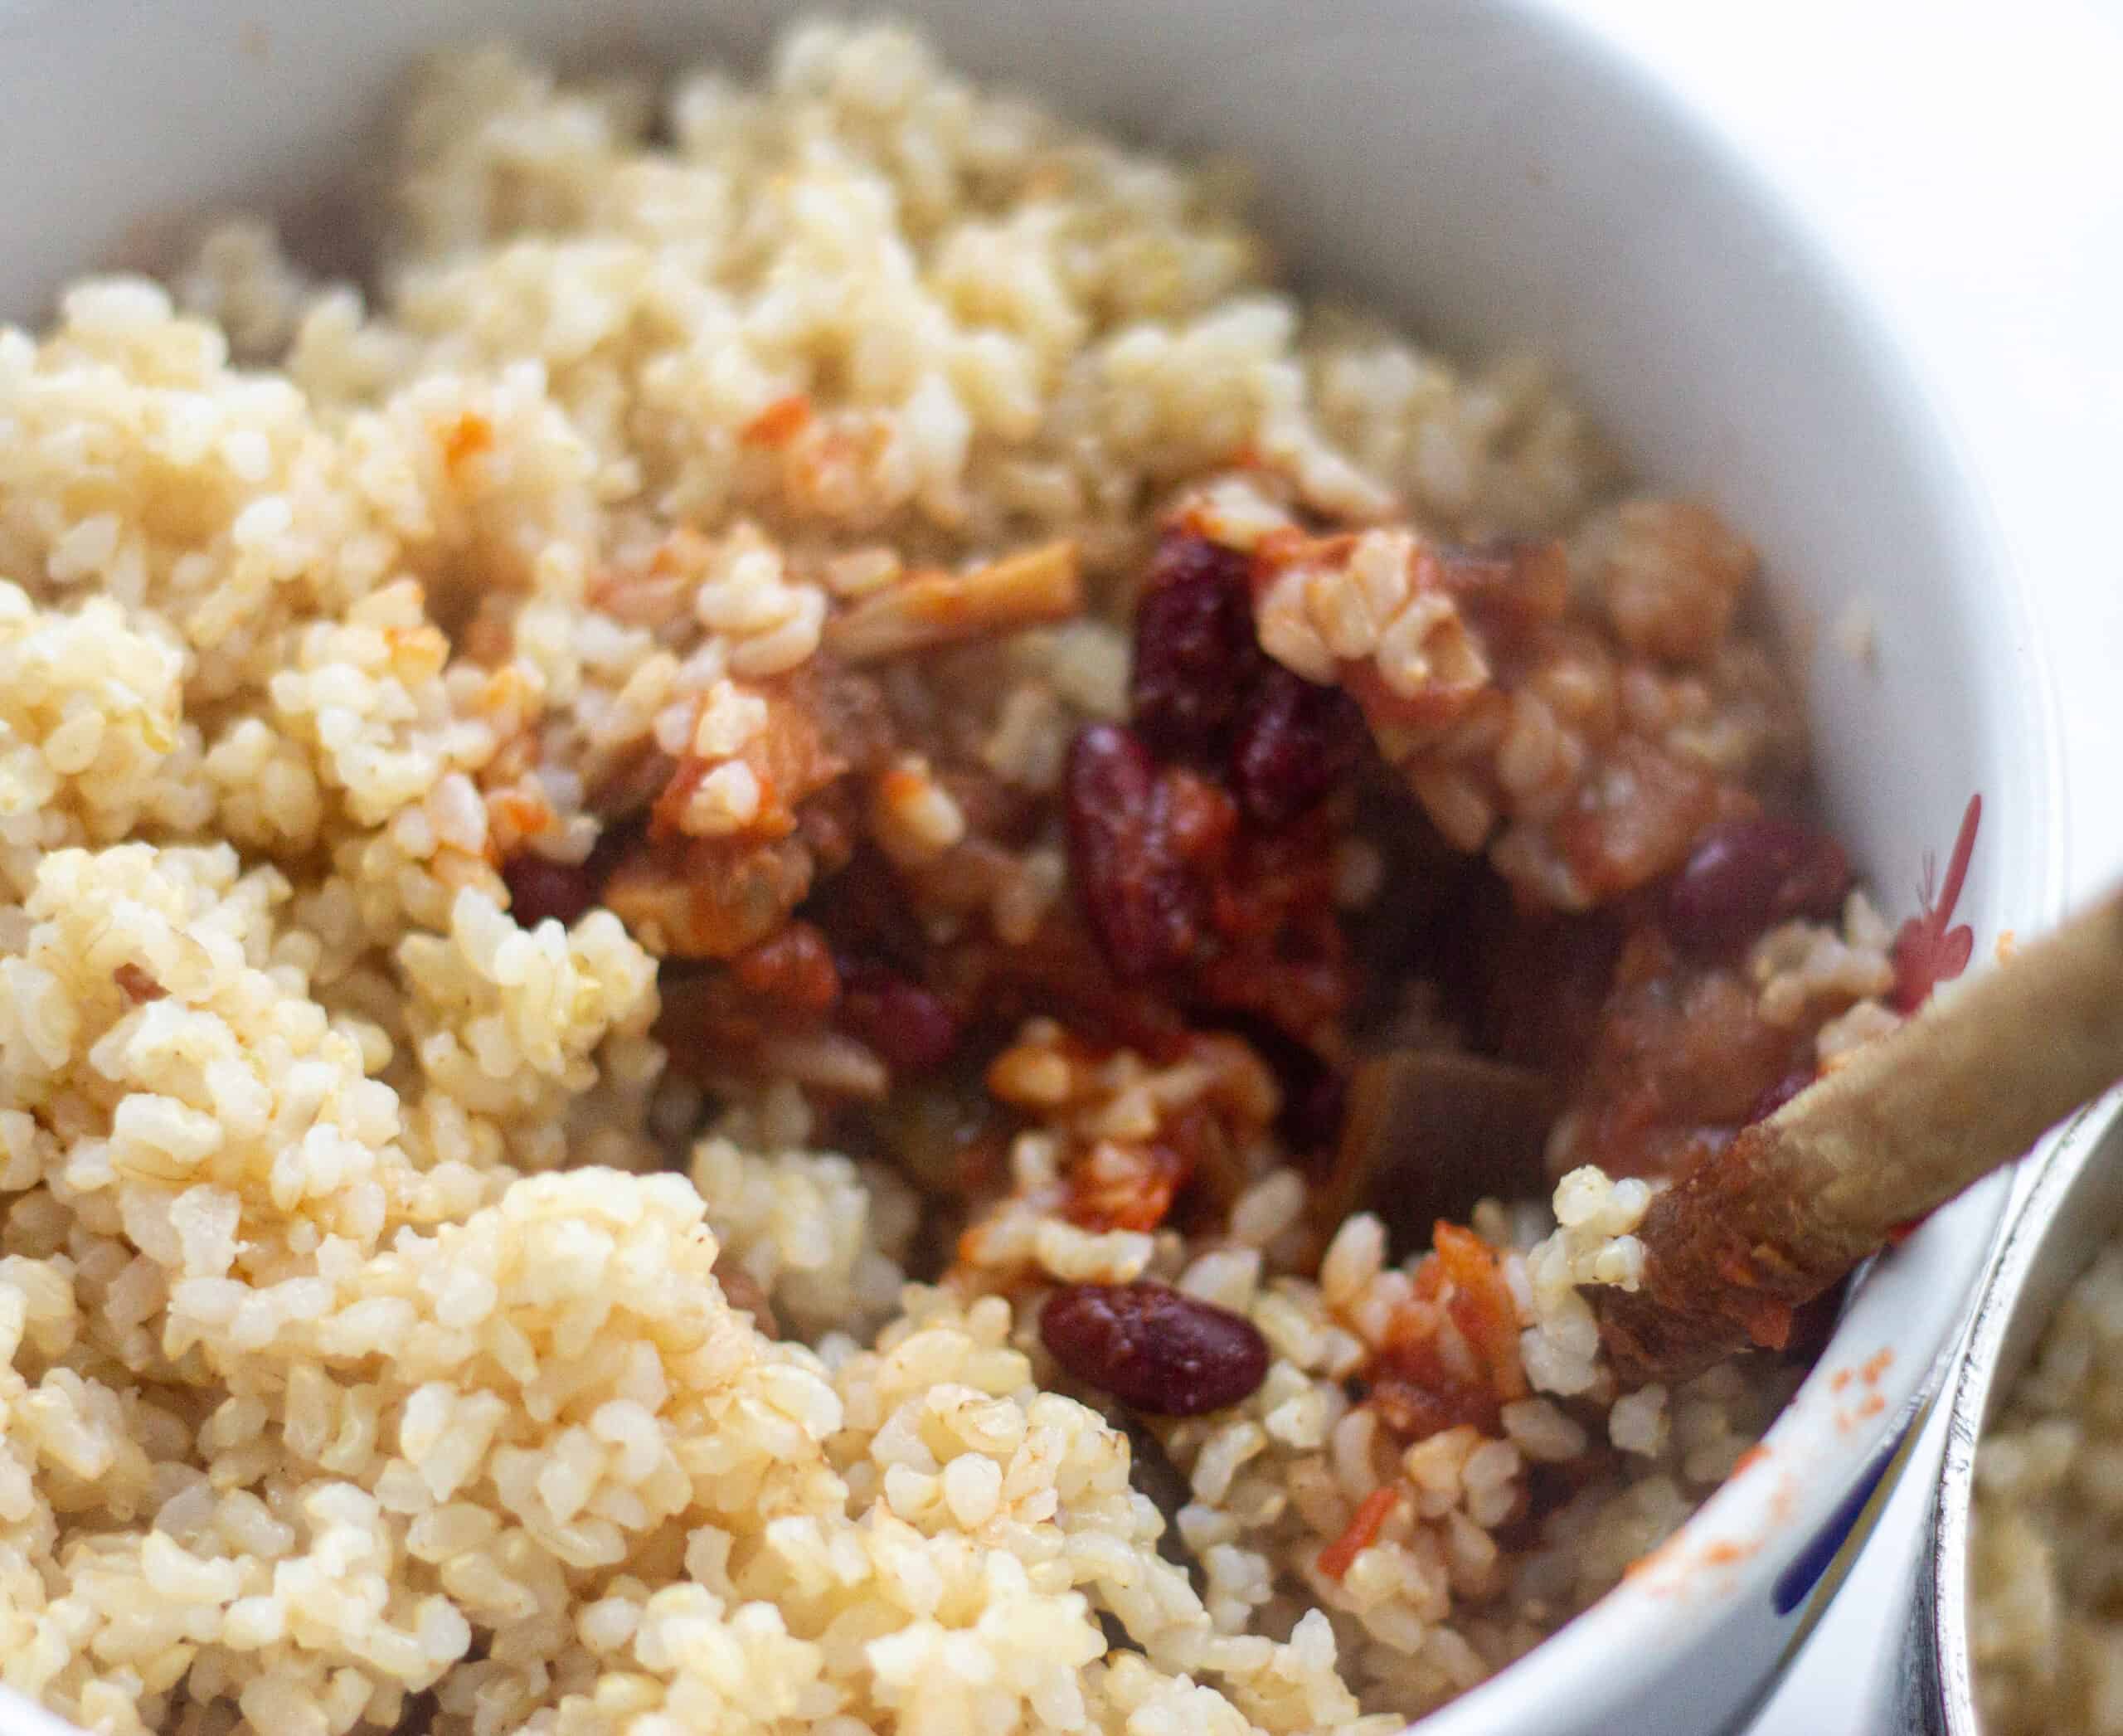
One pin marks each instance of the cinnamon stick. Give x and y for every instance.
(1797, 1201)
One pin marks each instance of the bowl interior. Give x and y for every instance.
(1493, 174)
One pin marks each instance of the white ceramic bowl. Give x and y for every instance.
(1498, 175)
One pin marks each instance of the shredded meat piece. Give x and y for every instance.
(1117, 1187)
(692, 887)
(1633, 821)
(789, 738)
(1680, 1056)
(1584, 772)
(1134, 1133)
(929, 608)
(783, 760)
(1467, 1274)
(1435, 1374)
(708, 897)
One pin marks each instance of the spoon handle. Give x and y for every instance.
(1798, 1200)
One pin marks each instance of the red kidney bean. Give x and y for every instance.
(1136, 892)
(1196, 657)
(909, 1026)
(1296, 741)
(539, 887)
(1744, 875)
(1153, 1349)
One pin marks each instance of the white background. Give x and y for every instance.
(1966, 162)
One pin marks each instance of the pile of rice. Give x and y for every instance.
(367, 1297)
(2046, 1575)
